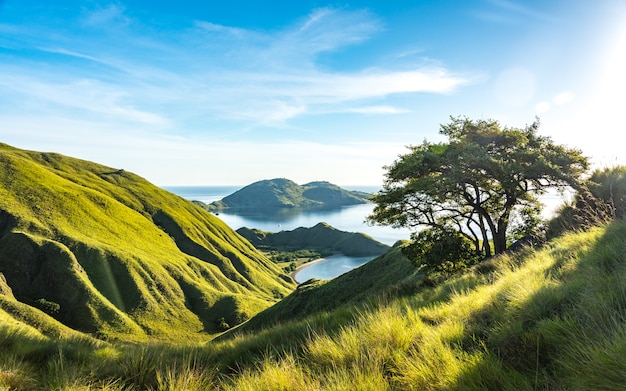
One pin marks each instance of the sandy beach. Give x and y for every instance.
(304, 266)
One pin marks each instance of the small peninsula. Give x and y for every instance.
(322, 238)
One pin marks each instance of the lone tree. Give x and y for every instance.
(483, 184)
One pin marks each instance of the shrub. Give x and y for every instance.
(441, 250)
(49, 307)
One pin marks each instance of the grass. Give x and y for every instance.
(121, 258)
(547, 319)
(364, 284)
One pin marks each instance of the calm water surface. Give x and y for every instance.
(330, 267)
(350, 219)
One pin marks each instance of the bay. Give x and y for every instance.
(349, 219)
(330, 267)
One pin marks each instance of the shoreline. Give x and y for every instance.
(305, 265)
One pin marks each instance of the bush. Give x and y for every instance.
(441, 250)
(222, 324)
(49, 307)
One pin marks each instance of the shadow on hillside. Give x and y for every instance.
(387, 276)
(578, 311)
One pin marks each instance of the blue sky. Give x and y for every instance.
(228, 93)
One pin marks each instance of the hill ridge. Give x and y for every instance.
(322, 238)
(120, 257)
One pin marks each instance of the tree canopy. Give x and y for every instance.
(483, 183)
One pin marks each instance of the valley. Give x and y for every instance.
(108, 282)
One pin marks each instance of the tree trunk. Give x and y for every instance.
(483, 231)
(499, 237)
(484, 216)
(499, 241)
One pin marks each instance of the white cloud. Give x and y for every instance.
(170, 160)
(510, 12)
(105, 16)
(560, 99)
(219, 71)
(87, 95)
(377, 110)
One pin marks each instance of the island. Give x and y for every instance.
(284, 193)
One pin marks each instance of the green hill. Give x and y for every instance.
(548, 318)
(388, 273)
(540, 319)
(283, 193)
(321, 238)
(105, 252)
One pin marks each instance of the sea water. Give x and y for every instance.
(348, 218)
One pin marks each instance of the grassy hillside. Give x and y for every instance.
(548, 319)
(389, 273)
(283, 193)
(321, 238)
(103, 251)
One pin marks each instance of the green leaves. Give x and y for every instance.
(484, 177)
(441, 250)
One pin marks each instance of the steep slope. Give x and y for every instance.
(284, 193)
(540, 319)
(550, 319)
(390, 272)
(119, 257)
(321, 238)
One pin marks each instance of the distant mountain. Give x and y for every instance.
(284, 193)
(322, 238)
(102, 251)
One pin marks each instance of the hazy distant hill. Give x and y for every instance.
(103, 251)
(322, 238)
(284, 193)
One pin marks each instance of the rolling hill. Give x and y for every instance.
(102, 251)
(540, 319)
(284, 193)
(356, 287)
(321, 238)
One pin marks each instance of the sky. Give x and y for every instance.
(229, 93)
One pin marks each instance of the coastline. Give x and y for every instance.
(305, 265)
(352, 262)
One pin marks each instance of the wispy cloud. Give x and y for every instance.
(213, 71)
(377, 110)
(85, 95)
(106, 16)
(509, 12)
